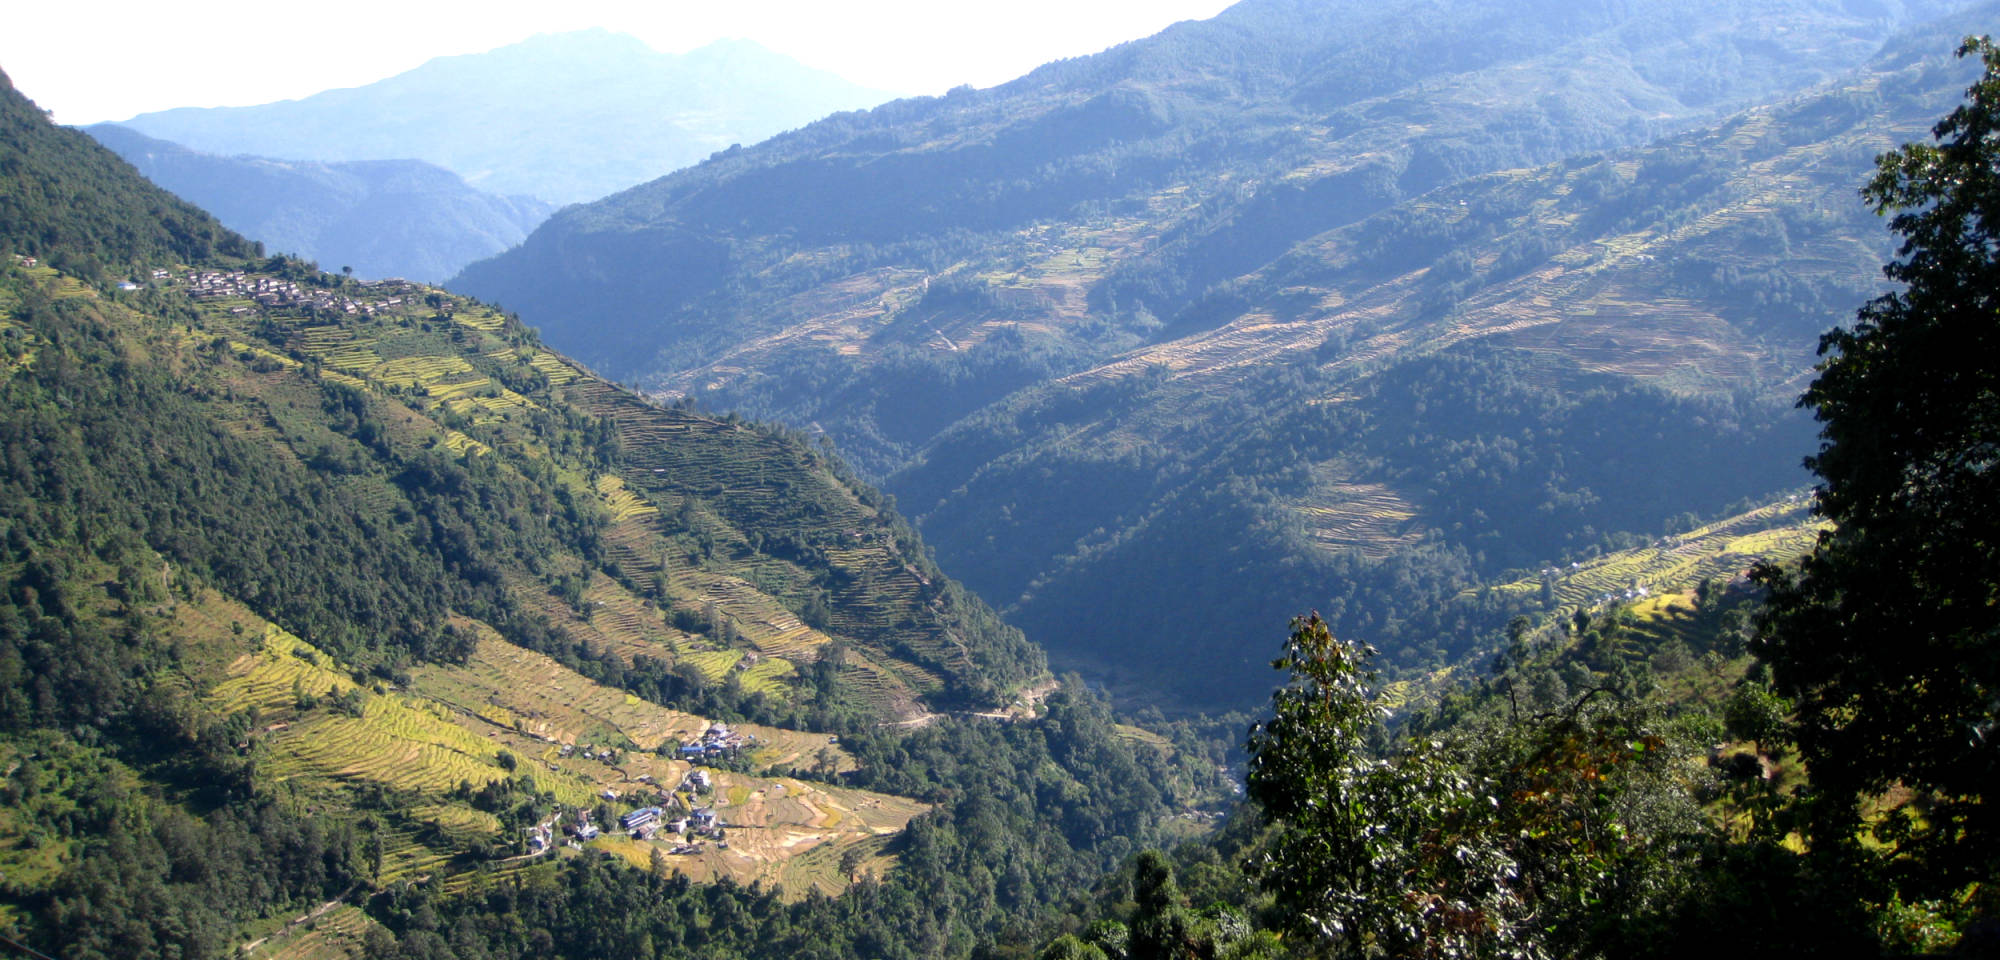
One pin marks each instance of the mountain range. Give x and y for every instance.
(561, 117)
(350, 619)
(1307, 305)
(382, 218)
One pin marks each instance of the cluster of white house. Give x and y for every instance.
(275, 292)
(648, 822)
(716, 743)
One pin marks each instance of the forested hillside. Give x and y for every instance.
(334, 610)
(384, 218)
(1268, 312)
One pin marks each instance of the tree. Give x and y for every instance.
(1374, 855)
(1887, 636)
(1561, 833)
(1162, 928)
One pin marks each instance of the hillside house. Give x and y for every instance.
(640, 818)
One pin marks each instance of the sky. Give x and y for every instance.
(91, 60)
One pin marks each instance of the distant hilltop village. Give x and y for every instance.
(277, 293)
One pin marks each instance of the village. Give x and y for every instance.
(269, 293)
(676, 813)
(272, 292)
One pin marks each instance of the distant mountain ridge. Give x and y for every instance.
(1292, 114)
(384, 218)
(1306, 305)
(562, 117)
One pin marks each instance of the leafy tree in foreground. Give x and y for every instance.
(1566, 833)
(1374, 855)
(1888, 635)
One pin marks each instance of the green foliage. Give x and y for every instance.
(99, 438)
(1560, 833)
(1887, 637)
(84, 210)
(1373, 854)
(363, 480)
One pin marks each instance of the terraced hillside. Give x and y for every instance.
(440, 767)
(1723, 551)
(712, 540)
(649, 549)
(514, 721)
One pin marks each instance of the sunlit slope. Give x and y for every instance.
(1722, 552)
(345, 747)
(721, 545)
(326, 465)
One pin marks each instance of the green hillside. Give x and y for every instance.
(433, 438)
(324, 598)
(1264, 313)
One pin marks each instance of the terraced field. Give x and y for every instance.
(539, 697)
(875, 684)
(338, 347)
(452, 723)
(1367, 517)
(554, 368)
(761, 621)
(411, 372)
(333, 935)
(527, 703)
(274, 676)
(790, 833)
(767, 676)
(630, 625)
(624, 504)
(1777, 532)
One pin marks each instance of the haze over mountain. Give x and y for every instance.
(384, 218)
(561, 117)
(1165, 343)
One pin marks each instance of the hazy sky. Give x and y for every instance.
(90, 60)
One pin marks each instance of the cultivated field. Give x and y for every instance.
(1777, 532)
